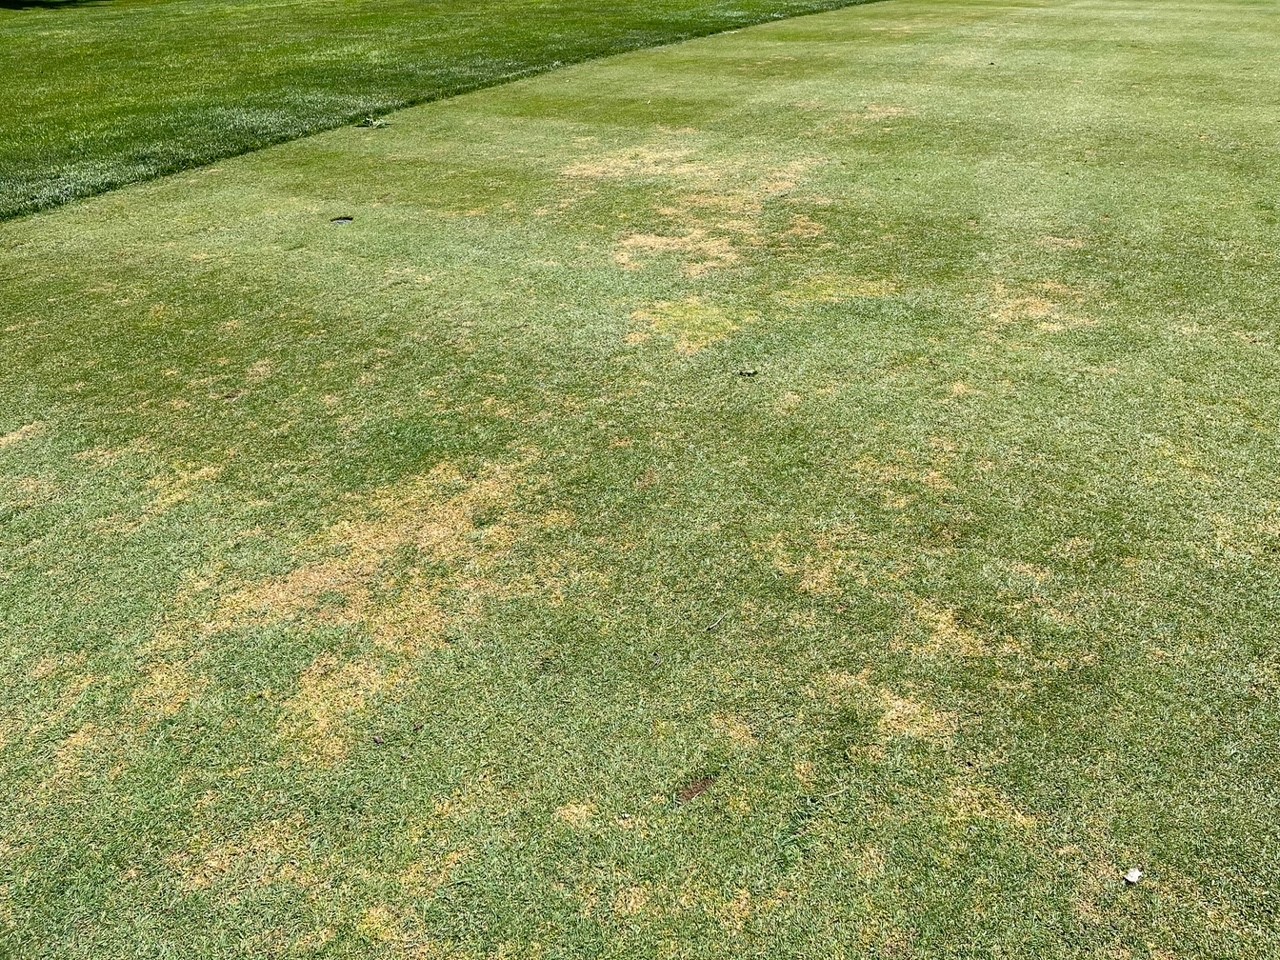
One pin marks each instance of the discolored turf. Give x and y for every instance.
(809, 492)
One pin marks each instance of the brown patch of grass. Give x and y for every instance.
(642, 163)
(174, 488)
(699, 251)
(815, 574)
(788, 403)
(166, 690)
(804, 228)
(834, 288)
(1060, 243)
(1046, 304)
(260, 371)
(72, 752)
(272, 853)
(15, 437)
(968, 801)
(380, 923)
(631, 901)
(425, 877)
(884, 111)
(900, 716)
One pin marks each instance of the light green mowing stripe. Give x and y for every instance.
(95, 94)
(805, 493)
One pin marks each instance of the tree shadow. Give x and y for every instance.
(46, 4)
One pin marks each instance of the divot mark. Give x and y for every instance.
(695, 788)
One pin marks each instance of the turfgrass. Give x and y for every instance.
(101, 93)
(809, 492)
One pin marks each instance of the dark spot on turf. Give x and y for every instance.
(695, 788)
(341, 221)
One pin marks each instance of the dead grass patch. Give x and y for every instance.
(643, 163)
(382, 571)
(736, 730)
(631, 901)
(15, 437)
(945, 634)
(166, 689)
(1048, 305)
(834, 288)
(1060, 243)
(968, 801)
(900, 716)
(272, 853)
(699, 251)
(425, 877)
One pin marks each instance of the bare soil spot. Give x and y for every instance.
(695, 788)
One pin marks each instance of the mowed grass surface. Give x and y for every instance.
(809, 492)
(98, 93)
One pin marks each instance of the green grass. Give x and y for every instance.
(95, 94)
(808, 492)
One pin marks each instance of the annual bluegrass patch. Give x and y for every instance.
(804, 493)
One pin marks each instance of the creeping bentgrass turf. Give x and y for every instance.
(809, 492)
(98, 93)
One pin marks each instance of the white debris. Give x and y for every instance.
(1133, 876)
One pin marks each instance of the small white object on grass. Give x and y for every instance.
(1133, 876)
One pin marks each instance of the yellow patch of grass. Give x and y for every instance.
(642, 163)
(736, 730)
(691, 323)
(272, 853)
(631, 901)
(946, 635)
(329, 693)
(968, 801)
(900, 716)
(836, 288)
(166, 690)
(425, 877)
(577, 815)
(357, 580)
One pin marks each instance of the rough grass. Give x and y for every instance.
(99, 93)
(879, 566)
